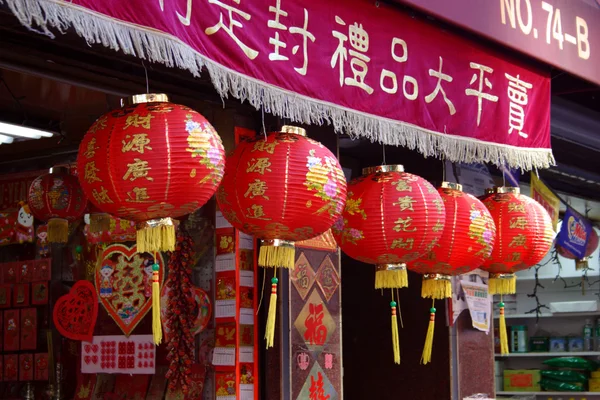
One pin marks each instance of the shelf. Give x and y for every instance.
(555, 354)
(570, 394)
(556, 315)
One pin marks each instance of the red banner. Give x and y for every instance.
(369, 69)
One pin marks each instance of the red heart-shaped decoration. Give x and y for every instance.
(75, 313)
(87, 359)
(95, 359)
(87, 348)
(95, 348)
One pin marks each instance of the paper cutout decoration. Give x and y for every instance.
(5, 296)
(11, 367)
(28, 329)
(39, 293)
(118, 354)
(26, 367)
(204, 307)
(11, 330)
(21, 295)
(124, 283)
(41, 366)
(75, 313)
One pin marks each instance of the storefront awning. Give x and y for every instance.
(370, 70)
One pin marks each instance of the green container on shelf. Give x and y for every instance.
(518, 339)
(539, 344)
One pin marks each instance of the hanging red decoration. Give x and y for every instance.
(148, 162)
(391, 218)
(75, 313)
(58, 199)
(282, 189)
(591, 246)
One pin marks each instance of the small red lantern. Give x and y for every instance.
(591, 246)
(467, 241)
(391, 218)
(148, 162)
(281, 189)
(57, 198)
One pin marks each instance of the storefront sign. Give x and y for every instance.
(574, 233)
(543, 195)
(563, 33)
(369, 69)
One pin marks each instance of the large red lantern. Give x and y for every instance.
(582, 263)
(281, 189)
(467, 241)
(148, 162)
(391, 218)
(57, 198)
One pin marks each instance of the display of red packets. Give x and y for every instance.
(39, 293)
(5, 296)
(11, 330)
(21, 295)
(26, 367)
(135, 354)
(11, 367)
(41, 366)
(28, 329)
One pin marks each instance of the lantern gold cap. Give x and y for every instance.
(452, 185)
(506, 189)
(145, 98)
(383, 168)
(390, 267)
(296, 130)
(437, 277)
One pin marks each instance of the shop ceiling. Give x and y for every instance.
(63, 86)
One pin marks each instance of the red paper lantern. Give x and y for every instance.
(58, 199)
(148, 162)
(524, 235)
(281, 189)
(467, 241)
(391, 218)
(591, 246)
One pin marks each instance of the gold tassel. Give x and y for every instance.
(395, 335)
(272, 315)
(58, 230)
(99, 222)
(502, 329)
(277, 254)
(502, 284)
(391, 276)
(428, 348)
(581, 264)
(436, 286)
(156, 326)
(156, 235)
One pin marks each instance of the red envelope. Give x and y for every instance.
(39, 293)
(25, 271)
(42, 270)
(11, 331)
(9, 272)
(28, 329)
(21, 295)
(11, 367)
(5, 298)
(41, 367)
(26, 367)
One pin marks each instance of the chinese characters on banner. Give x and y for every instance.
(369, 68)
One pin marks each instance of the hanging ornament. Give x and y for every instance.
(148, 162)
(581, 264)
(58, 199)
(391, 218)
(99, 221)
(466, 243)
(281, 189)
(524, 235)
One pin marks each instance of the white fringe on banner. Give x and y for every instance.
(42, 15)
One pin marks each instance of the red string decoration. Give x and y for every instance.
(181, 314)
(75, 313)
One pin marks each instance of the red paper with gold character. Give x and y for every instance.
(468, 237)
(524, 233)
(286, 187)
(391, 217)
(150, 160)
(56, 195)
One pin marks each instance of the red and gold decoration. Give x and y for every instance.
(282, 189)
(148, 162)
(467, 241)
(524, 235)
(391, 218)
(58, 199)
(591, 246)
(75, 313)
(124, 280)
(181, 315)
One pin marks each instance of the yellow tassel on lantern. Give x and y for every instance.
(395, 334)
(502, 284)
(582, 264)
(428, 348)
(277, 254)
(391, 276)
(502, 329)
(99, 222)
(156, 235)
(272, 315)
(436, 286)
(156, 326)
(58, 230)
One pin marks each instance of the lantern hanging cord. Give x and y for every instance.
(383, 148)
(399, 309)
(262, 292)
(262, 110)
(147, 81)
